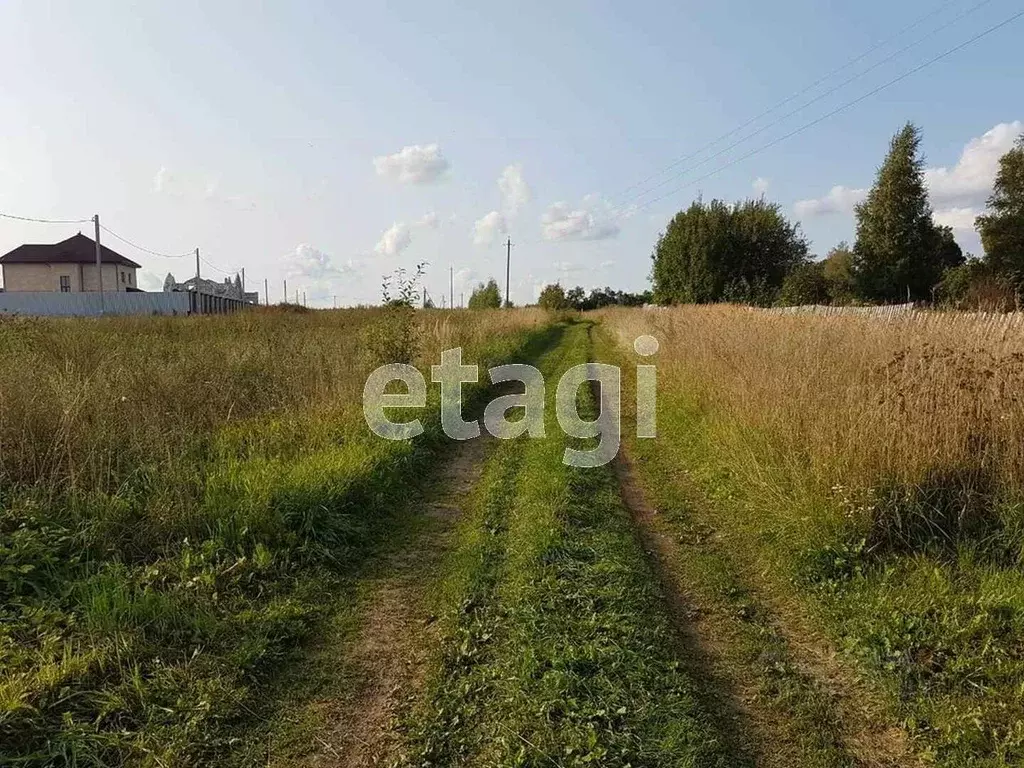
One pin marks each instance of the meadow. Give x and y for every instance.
(207, 558)
(869, 474)
(177, 497)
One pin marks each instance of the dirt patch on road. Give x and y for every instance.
(389, 657)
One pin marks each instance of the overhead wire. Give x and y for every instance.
(45, 221)
(791, 113)
(841, 108)
(142, 248)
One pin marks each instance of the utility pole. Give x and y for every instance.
(335, 301)
(266, 291)
(303, 298)
(243, 282)
(508, 266)
(285, 297)
(99, 262)
(451, 287)
(462, 296)
(424, 305)
(197, 269)
(296, 297)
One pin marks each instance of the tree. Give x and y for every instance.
(899, 252)
(837, 270)
(1002, 229)
(486, 296)
(576, 298)
(715, 252)
(805, 284)
(552, 297)
(605, 297)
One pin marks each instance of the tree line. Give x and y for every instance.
(749, 252)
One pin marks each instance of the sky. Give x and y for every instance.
(331, 143)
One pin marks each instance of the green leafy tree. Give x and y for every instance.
(552, 297)
(486, 296)
(805, 284)
(605, 297)
(715, 252)
(1002, 228)
(576, 298)
(899, 252)
(837, 270)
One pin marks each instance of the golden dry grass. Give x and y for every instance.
(809, 402)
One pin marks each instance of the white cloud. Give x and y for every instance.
(957, 218)
(398, 236)
(394, 240)
(760, 186)
(312, 263)
(607, 264)
(515, 192)
(563, 222)
(488, 228)
(428, 220)
(969, 182)
(415, 164)
(957, 193)
(839, 199)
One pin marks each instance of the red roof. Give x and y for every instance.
(75, 250)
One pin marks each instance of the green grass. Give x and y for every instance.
(146, 623)
(935, 632)
(556, 646)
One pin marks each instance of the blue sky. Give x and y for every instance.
(330, 143)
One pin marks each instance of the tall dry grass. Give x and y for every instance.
(177, 499)
(85, 404)
(918, 418)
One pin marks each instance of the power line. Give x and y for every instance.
(791, 113)
(842, 108)
(143, 249)
(219, 269)
(45, 221)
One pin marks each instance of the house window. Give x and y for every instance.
(123, 278)
(65, 283)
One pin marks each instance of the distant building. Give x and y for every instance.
(229, 289)
(67, 267)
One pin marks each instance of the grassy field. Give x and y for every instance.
(206, 558)
(870, 474)
(176, 498)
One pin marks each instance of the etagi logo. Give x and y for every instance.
(451, 374)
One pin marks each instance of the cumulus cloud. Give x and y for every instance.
(957, 218)
(313, 264)
(839, 199)
(398, 236)
(957, 193)
(515, 192)
(969, 182)
(489, 228)
(760, 185)
(562, 221)
(395, 239)
(415, 164)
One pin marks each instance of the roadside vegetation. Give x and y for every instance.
(177, 497)
(869, 477)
